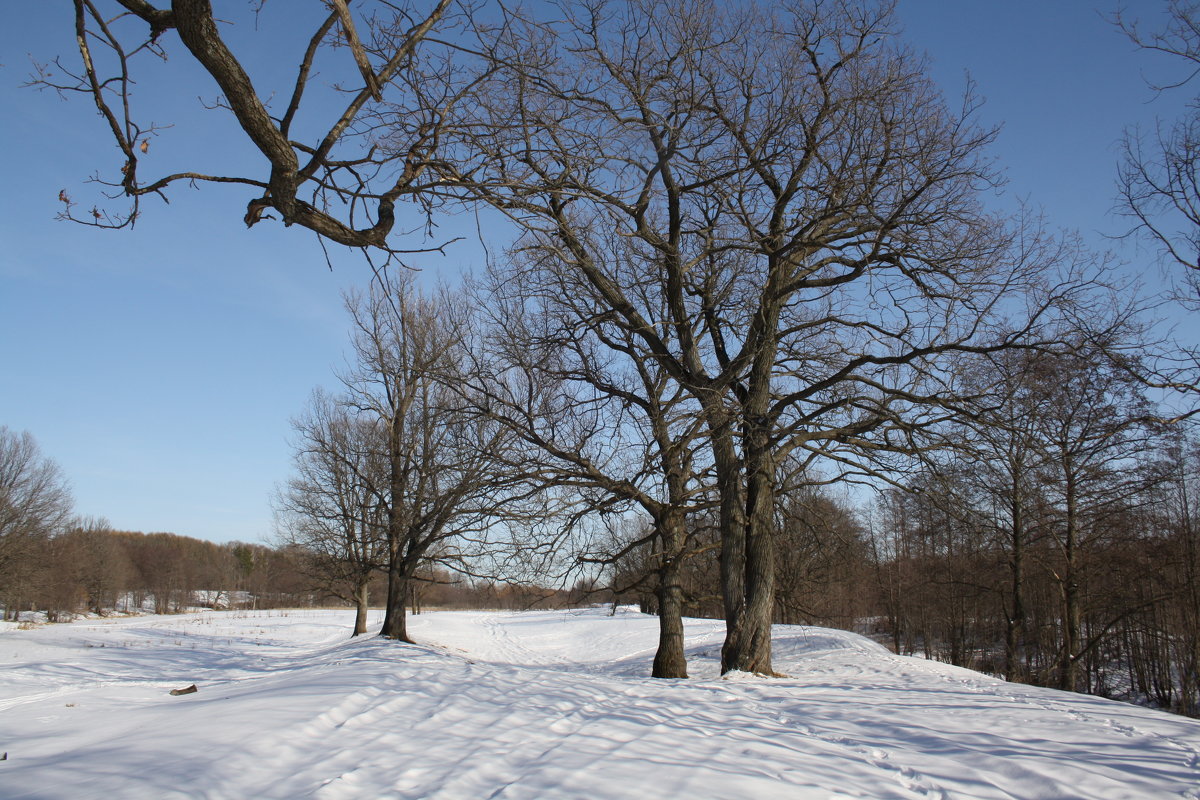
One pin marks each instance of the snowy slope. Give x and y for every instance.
(542, 705)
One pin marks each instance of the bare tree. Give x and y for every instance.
(1159, 188)
(1091, 423)
(605, 424)
(322, 165)
(995, 462)
(1159, 178)
(445, 485)
(779, 209)
(332, 507)
(34, 503)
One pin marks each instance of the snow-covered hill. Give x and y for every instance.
(542, 705)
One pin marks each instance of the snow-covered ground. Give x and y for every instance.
(541, 705)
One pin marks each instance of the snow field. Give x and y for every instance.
(542, 705)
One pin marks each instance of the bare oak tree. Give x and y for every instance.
(1091, 422)
(781, 211)
(1001, 456)
(323, 167)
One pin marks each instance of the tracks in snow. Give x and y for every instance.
(516, 706)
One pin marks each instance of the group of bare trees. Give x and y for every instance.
(34, 504)
(747, 244)
(763, 224)
(86, 567)
(748, 256)
(56, 566)
(1052, 542)
(400, 472)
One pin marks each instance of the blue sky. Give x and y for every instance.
(159, 366)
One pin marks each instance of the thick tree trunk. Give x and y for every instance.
(733, 548)
(395, 621)
(749, 650)
(755, 652)
(670, 660)
(361, 595)
(748, 630)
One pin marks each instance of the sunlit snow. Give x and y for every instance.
(542, 705)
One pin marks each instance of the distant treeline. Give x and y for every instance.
(89, 568)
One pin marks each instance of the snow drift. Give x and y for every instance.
(542, 705)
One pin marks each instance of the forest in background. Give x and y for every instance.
(88, 568)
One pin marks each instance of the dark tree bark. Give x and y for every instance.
(362, 607)
(1017, 619)
(670, 660)
(307, 173)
